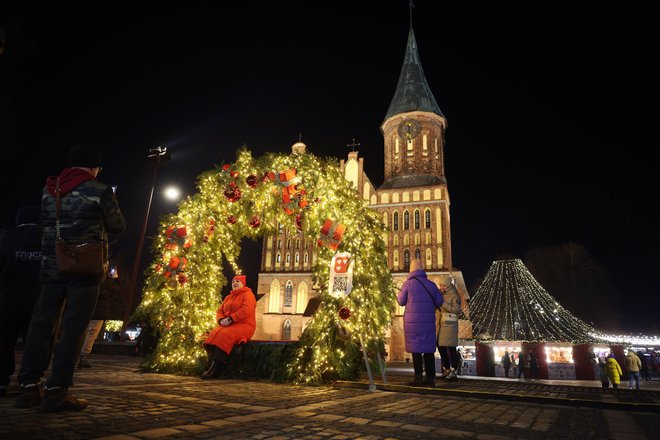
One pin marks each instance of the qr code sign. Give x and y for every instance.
(340, 283)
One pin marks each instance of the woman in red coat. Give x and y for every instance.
(236, 324)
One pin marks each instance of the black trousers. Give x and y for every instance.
(428, 364)
(11, 327)
(70, 307)
(449, 357)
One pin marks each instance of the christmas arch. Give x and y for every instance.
(258, 197)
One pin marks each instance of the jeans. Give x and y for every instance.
(69, 307)
(634, 375)
(91, 334)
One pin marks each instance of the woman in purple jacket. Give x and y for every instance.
(421, 298)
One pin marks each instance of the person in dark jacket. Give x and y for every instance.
(421, 298)
(89, 212)
(20, 259)
(506, 363)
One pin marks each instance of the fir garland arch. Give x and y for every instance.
(248, 199)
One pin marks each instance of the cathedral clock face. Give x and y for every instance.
(409, 129)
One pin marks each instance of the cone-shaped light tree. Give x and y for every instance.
(254, 197)
(511, 305)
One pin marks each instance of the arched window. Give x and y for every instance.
(406, 240)
(288, 258)
(427, 218)
(385, 216)
(280, 227)
(286, 330)
(301, 297)
(279, 244)
(406, 220)
(406, 259)
(427, 240)
(268, 261)
(298, 244)
(278, 258)
(395, 240)
(395, 259)
(417, 240)
(395, 221)
(306, 258)
(418, 254)
(288, 294)
(429, 258)
(274, 297)
(416, 218)
(297, 258)
(288, 244)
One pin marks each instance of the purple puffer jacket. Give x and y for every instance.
(419, 317)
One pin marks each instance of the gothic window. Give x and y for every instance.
(288, 244)
(286, 330)
(406, 220)
(288, 258)
(306, 258)
(269, 257)
(406, 259)
(429, 258)
(298, 244)
(280, 227)
(396, 240)
(427, 239)
(274, 297)
(395, 197)
(395, 221)
(416, 218)
(278, 258)
(297, 258)
(395, 259)
(288, 293)
(301, 297)
(427, 218)
(279, 244)
(406, 240)
(416, 239)
(418, 254)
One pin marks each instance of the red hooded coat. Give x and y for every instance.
(240, 305)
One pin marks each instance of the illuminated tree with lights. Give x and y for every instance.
(511, 305)
(253, 198)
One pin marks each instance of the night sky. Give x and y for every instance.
(552, 111)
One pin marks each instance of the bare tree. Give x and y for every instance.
(569, 273)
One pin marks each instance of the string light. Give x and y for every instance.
(182, 312)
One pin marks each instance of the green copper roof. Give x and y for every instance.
(412, 91)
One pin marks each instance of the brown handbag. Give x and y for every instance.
(76, 259)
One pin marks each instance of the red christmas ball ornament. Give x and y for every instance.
(255, 222)
(344, 313)
(231, 219)
(232, 194)
(299, 222)
(251, 180)
(205, 239)
(182, 279)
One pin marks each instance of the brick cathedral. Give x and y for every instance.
(414, 204)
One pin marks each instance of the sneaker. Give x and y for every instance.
(83, 362)
(59, 399)
(452, 375)
(29, 395)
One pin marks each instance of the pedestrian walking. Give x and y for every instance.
(88, 213)
(506, 363)
(602, 373)
(633, 364)
(644, 371)
(521, 364)
(514, 363)
(533, 366)
(461, 359)
(236, 324)
(448, 329)
(613, 371)
(20, 260)
(421, 298)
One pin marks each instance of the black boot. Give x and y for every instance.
(417, 366)
(217, 365)
(429, 368)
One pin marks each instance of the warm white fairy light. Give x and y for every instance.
(181, 312)
(511, 305)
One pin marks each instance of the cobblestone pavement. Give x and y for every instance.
(126, 405)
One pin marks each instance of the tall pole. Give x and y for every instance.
(132, 287)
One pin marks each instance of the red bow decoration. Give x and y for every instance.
(293, 195)
(177, 236)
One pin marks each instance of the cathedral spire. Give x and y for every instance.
(412, 91)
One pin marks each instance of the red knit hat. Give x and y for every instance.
(240, 278)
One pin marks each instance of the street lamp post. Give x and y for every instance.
(156, 157)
